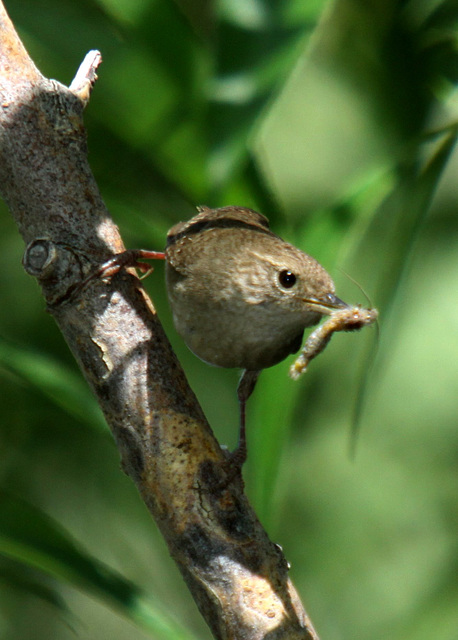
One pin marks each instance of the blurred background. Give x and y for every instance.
(338, 121)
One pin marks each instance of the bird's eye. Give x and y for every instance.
(287, 279)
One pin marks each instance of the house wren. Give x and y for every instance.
(241, 297)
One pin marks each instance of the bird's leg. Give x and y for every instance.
(129, 258)
(244, 390)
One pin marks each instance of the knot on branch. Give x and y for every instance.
(40, 257)
(57, 267)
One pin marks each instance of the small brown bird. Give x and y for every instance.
(241, 297)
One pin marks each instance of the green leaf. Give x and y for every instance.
(20, 578)
(258, 46)
(58, 382)
(30, 536)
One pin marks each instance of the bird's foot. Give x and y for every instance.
(132, 258)
(233, 465)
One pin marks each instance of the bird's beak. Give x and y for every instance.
(326, 304)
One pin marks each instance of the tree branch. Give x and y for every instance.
(237, 576)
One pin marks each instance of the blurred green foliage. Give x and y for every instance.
(338, 121)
